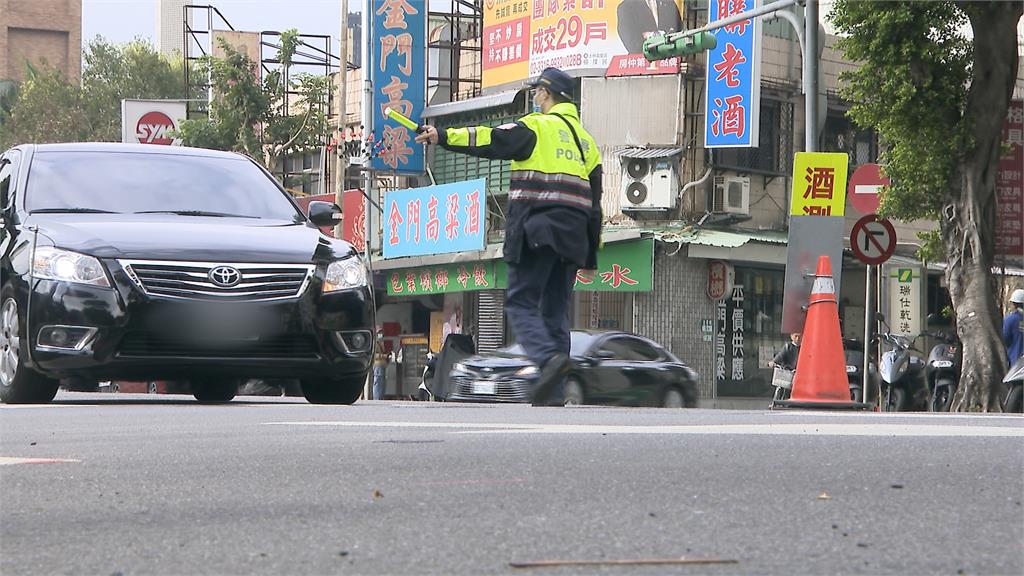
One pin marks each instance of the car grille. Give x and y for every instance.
(148, 345)
(193, 280)
(505, 390)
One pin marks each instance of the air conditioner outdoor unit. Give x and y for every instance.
(732, 195)
(649, 184)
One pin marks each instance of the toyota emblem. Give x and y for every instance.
(225, 276)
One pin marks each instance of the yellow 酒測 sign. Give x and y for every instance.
(819, 184)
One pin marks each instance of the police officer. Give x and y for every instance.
(553, 226)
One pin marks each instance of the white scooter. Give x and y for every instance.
(1014, 379)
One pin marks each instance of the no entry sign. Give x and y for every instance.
(864, 185)
(873, 239)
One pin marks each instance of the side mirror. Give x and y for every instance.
(323, 213)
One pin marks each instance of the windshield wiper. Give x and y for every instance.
(73, 210)
(195, 213)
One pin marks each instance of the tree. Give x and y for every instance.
(47, 108)
(935, 80)
(112, 72)
(268, 120)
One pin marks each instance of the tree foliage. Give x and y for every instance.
(269, 119)
(911, 87)
(934, 81)
(47, 108)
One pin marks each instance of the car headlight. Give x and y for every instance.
(66, 266)
(345, 275)
(850, 369)
(459, 367)
(527, 371)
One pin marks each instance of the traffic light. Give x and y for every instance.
(660, 46)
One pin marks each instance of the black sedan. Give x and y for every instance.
(134, 262)
(614, 368)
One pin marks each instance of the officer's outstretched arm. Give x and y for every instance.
(506, 142)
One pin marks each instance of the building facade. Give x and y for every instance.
(40, 32)
(170, 26)
(704, 216)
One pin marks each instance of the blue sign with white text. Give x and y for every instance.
(398, 52)
(733, 78)
(436, 219)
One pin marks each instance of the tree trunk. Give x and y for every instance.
(969, 217)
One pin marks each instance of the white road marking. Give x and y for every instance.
(811, 429)
(920, 416)
(9, 460)
(21, 406)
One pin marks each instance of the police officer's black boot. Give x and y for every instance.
(550, 375)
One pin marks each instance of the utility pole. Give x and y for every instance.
(341, 96)
(810, 69)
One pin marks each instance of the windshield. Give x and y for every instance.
(125, 182)
(580, 343)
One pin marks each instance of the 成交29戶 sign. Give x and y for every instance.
(435, 220)
(733, 78)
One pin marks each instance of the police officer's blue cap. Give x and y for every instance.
(556, 81)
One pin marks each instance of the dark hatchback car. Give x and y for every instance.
(613, 368)
(135, 262)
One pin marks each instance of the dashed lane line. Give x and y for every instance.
(770, 429)
(11, 460)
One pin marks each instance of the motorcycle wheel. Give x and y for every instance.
(1014, 400)
(942, 399)
(894, 399)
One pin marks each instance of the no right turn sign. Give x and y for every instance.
(873, 239)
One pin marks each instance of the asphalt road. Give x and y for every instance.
(122, 484)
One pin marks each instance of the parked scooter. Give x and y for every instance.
(903, 385)
(1014, 402)
(943, 370)
(853, 350)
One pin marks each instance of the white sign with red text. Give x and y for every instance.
(151, 121)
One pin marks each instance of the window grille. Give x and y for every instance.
(842, 135)
(775, 146)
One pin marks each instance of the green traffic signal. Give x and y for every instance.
(659, 47)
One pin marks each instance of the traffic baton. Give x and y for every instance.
(402, 119)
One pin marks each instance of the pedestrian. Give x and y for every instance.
(553, 226)
(787, 358)
(1013, 327)
(380, 366)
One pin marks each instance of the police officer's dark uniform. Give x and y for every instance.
(553, 226)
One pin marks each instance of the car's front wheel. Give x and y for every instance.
(215, 391)
(19, 384)
(343, 391)
(573, 392)
(673, 398)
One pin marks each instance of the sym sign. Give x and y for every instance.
(151, 121)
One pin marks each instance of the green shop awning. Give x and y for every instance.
(621, 267)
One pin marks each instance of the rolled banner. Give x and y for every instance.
(401, 119)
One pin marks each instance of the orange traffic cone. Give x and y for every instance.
(820, 380)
